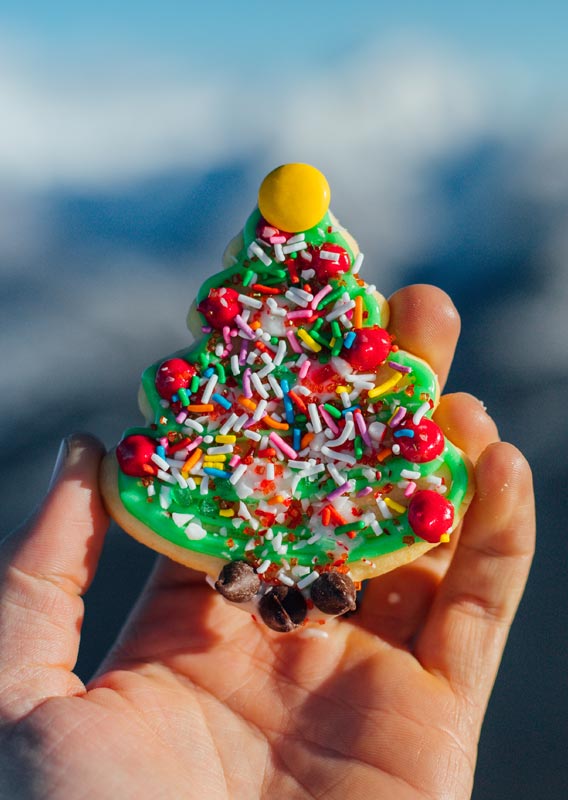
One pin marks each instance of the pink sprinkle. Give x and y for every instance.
(164, 441)
(294, 344)
(399, 367)
(234, 461)
(304, 369)
(320, 295)
(246, 382)
(227, 334)
(248, 331)
(283, 446)
(397, 417)
(362, 425)
(277, 239)
(303, 313)
(328, 419)
(206, 329)
(338, 492)
(367, 490)
(181, 417)
(244, 353)
(196, 442)
(410, 489)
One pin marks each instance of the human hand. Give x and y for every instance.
(196, 700)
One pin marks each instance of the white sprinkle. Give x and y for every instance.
(235, 366)
(384, 509)
(298, 237)
(396, 449)
(164, 404)
(181, 519)
(250, 301)
(250, 545)
(238, 474)
(294, 248)
(240, 422)
(339, 310)
(327, 255)
(265, 371)
(163, 476)
(285, 579)
(376, 430)
(204, 485)
(220, 450)
(260, 410)
(195, 531)
(306, 256)
(294, 298)
(259, 386)
(270, 471)
(228, 424)
(253, 435)
(277, 540)
(419, 413)
(160, 462)
(338, 456)
(315, 538)
(252, 356)
(346, 433)
(314, 416)
(434, 480)
(209, 389)
(345, 399)
(276, 388)
(151, 489)
(196, 426)
(281, 352)
(309, 579)
(165, 497)
(255, 249)
(207, 439)
(313, 633)
(336, 474)
(410, 474)
(263, 567)
(179, 478)
(279, 253)
(357, 263)
(345, 321)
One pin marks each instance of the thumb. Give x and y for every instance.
(45, 567)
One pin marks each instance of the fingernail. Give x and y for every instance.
(59, 461)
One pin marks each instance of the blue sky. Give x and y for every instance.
(286, 37)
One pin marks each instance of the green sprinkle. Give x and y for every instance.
(194, 384)
(221, 372)
(247, 277)
(183, 397)
(318, 338)
(351, 526)
(204, 359)
(330, 298)
(337, 345)
(301, 418)
(274, 340)
(358, 447)
(335, 329)
(335, 412)
(317, 324)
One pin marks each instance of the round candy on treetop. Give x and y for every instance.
(173, 375)
(426, 444)
(326, 268)
(221, 306)
(370, 348)
(134, 455)
(430, 515)
(294, 197)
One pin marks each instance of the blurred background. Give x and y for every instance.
(133, 138)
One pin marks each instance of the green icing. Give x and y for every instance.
(227, 537)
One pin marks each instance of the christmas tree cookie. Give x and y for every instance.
(290, 452)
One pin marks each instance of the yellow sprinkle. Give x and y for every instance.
(332, 342)
(445, 537)
(215, 456)
(395, 506)
(384, 387)
(305, 337)
(341, 389)
(197, 480)
(230, 439)
(226, 512)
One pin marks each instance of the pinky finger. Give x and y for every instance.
(466, 630)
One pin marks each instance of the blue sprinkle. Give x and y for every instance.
(175, 398)
(351, 408)
(161, 451)
(289, 410)
(404, 432)
(297, 438)
(208, 372)
(349, 339)
(216, 473)
(285, 385)
(221, 400)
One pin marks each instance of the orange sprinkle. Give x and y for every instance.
(298, 401)
(336, 516)
(326, 516)
(246, 403)
(260, 287)
(191, 462)
(358, 312)
(273, 423)
(201, 408)
(274, 501)
(254, 325)
(306, 439)
(384, 454)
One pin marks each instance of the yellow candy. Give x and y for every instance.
(294, 197)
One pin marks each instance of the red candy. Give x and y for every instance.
(430, 515)
(134, 456)
(221, 307)
(173, 375)
(325, 268)
(370, 348)
(426, 444)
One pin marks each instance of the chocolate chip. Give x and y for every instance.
(238, 581)
(333, 593)
(283, 609)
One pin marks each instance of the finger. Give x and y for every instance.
(465, 633)
(395, 605)
(48, 564)
(426, 323)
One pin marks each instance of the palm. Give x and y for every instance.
(197, 700)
